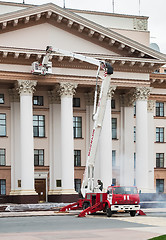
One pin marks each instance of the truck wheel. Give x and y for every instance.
(108, 211)
(132, 213)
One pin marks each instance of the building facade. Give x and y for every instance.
(46, 121)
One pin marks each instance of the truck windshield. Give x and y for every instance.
(125, 190)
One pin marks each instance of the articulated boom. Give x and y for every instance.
(88, 180)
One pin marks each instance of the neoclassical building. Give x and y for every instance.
(46, 121)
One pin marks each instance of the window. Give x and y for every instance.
(159, 185)
(114, 181)
(159, 109)
(134, 108)
(2, 101)
(77, 183)
(39, 157)
(159, 134)
(2, 157)
(76, 102)
(2, 124)
(113, 158)
(39, 126)
(134, 160)
(38, 100)
(77, 158)
(113, 103)
(114, 128)
(134, 134)
(2, 187)
(159, 160)
(77, 127)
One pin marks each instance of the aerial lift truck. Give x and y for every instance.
(117, 198)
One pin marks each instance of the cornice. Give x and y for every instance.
(118, 62)
(70, 19)
(158, 79)
(51, 80)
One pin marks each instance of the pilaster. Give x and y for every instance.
(151, 140)
(127, 140)
(105, 143)
(55, 170)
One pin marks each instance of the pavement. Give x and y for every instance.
(152, 226)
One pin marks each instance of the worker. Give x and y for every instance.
(100, 184)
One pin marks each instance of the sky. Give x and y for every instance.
(154, 9)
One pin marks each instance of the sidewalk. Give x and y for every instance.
(48, 209)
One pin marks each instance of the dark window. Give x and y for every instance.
(77, 127)
(159, 109)
(2, 157)
(39, 157)
(159, 160)
(114, 181)
(157, 71)
(2, 100)
(2, 187)
(38, 100)
(134, 160)
(114, 128)
(77, 158)
(160, 185)
(159, 134)
(2, 124)
(39, 126)
(77, 183)
(113, 103)
(134, 134)
(134, 108)
(76, 102)
(113, 158)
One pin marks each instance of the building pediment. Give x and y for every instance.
(120, 50)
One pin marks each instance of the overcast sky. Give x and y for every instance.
(154, 9)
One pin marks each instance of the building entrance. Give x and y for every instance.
(40, 188)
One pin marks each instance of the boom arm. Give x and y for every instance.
(88, 180)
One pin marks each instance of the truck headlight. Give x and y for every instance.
(135, 201)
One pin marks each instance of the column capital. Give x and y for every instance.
(67, 89)
(111, 91)
(26, 86)
(54, 95)
(151, 105)
(142, 93)
(13, 95)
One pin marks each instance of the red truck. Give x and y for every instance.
(116, 199)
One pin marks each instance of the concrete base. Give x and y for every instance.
(20, 199)
(65, 198)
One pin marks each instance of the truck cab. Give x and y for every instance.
(122, 199)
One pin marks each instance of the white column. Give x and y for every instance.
(127, 141)
(67, 90)
(151, 140)
(55, 142)
(26, 89)
(105, 144)
(142, 139)
(15, 141)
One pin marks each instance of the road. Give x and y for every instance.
(96, 227)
